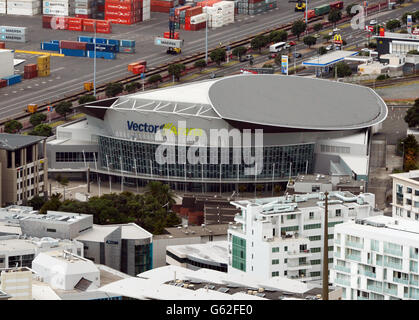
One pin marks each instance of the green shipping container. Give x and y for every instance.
(320, 10)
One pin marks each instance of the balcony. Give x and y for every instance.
(414, 282)
(336, 254)
(342, 268)
(401, 281)
(368, 273)
(393, 265)
(413, 255)
(362, 298)
(342, 282)
(393, 252)
(300, 253)
(414, 268)
(299, 266)
(336, 241)
(353, 257)
(392, 291)
(358, 245)
(375, 288)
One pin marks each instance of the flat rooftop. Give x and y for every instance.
(98, 233)
(12, 142)
(213, 251)
(329, 58)
(401, 36)
(194, 231)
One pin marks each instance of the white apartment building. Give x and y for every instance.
(376, 258)
(283, 236)
(405, 201)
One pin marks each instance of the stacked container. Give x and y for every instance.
(252, 7)
(100, 10)
(13, 79)
(73, 48)
(44, 66)
(75, 24)
(146, 10)
(58, 7)
(84, 8)
(6, 65)
(125, 11)
(30, 71)
(15, 34)
(163, 5)
(198, 22)
(194, 11)
(23, 7)
(3, 8)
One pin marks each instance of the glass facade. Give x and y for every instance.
(239, 253)
(139, 158)
(143, 258)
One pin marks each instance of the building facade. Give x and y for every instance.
(24, 168)
(283, 236)
(376, 258)
(399, 43)
(120, 138)
(405, 196)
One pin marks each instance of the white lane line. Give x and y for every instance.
(58, 69)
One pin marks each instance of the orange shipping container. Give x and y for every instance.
(193, 11)
(132, 65)
(207, 3)
(138, 69)
(179, 9)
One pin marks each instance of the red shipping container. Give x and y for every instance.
(59, 23)
(193, 11)
(2, 45)
(103, 24)
(119, 14)
(3, 83)
(104, 30)
(255, 1)
(30, 75)
(119, 7)
(120, 20)
(75, 27)
(30, 67)
(208, 3)
(167, 35)
(83, 16)
(138, 69)
(75, 21)
(179, 9)
(310, 14)
(164, 4)
(72, 45)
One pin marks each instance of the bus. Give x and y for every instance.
(277, 47)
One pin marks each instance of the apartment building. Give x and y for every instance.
(283, 236)
(405, 201)
(376, 258)
(17, 283)
(24, 168)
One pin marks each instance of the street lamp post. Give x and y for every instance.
(94, 64)
(325, 294)
(206, 39)
(403, 156)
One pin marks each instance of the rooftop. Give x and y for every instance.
(128, 231)
(329, 58)
(29, 244)
(12, 142)
(194, 231)
(412, 176)
(279, 102)
(213, 251)
(402, 36)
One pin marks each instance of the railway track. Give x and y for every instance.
(391, 82)
(187, 60)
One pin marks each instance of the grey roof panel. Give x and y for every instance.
(16, 141)
(296, 102)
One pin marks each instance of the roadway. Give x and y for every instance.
(69, 73)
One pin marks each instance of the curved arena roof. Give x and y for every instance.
(270, 100)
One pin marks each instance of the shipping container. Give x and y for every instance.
(126, 50)
(32, 108)
(2, 45)
(138, 69)
(99, 54)
(323, 9)
(13, 30)
(3, 83)
(101, 47)
(6, 65)
(127, 43)
(13, 37)
(30, 67)
(13, 79)
(85, 39)
(64, 44)
(73, 52)
(30, 75)
(50, 46)
(310, 14)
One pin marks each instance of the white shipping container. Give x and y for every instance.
(199, 18)
(146, 3)
(58, 11)
(23, 12)
(146, 16)
(3, 10)
(82, 11)
(23, 5)
(63, 4)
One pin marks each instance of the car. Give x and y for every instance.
(373, 22)
(248, 57)
(329, 47)
(287, 46)
(292, 43)
(297, 55)
(316, 36)
(336, 30)
(272, 55)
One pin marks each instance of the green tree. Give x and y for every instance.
(309, 41)
(317, 27)
(259, 42)
(200, 64)
(393, 24)
(278, 36)
(413, 52)
(349, 8)
(343, 69)
(334, 16)
(218, 55)
(113, 89)
(131, 87)
(12, 126)
(53, 204)
(412, 115)
(298, 27)
(63, 108)
(87, 98)
(322, 50)
(42, 130)
(176, 70)
(161, 192)
(267, 65)
(36, 202)
(277, 60)
(239, 51)
(155, 78)
(37, 118)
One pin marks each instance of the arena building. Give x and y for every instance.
(309, 125)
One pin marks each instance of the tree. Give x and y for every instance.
(349, 8)
(239, 51)
(406, 143)
(12, 126)
(317, 27)
(155, 78)
(37, 118)
(277, 188)
(218, 55)
(113, 89)
(63, 181)
(176, 70)
(259, 42)
(42, 130)
(298, 27)
(131, 87)
(334, 16)
(36, 202)
(393, 24)
(412, 115)
(278, 60)
(87, 98)
(63, 108)
(309, 41)
(322, 50)
(161, 192)
(343, 69)
(278, 36)
(53, 204)
(200, 64)
(413, 52)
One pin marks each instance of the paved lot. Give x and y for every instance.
(394, 127)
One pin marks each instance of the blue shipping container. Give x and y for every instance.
(101, 47)
(73, 52)
(127, 43)
(13, 79)
(99, 54)
(50, 46)
(85, 39)
(115, 42)
(100, 40)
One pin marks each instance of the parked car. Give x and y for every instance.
(287, 46)
(316, 36)
(248, 57)
(297, 55)
(292, 43)
(329, 47)
(373, 22)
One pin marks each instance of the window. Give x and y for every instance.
(409, 190)
(291, 216)
(51, 230)
(330, 248)
(275, 274)
(332, 224)
(330, 260)
(311, 215)
(285, 248)
(314, 250)
(285, 260)
(317, 261)
(287, 229)
(338, 212)
(416, 192)
(408, 213)
(76, 156)
(275, 261)
(276, 249)
(330, 236)
(312, 226)
(315, 274)
(315, 238)
(285, 273)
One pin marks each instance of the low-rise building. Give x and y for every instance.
(24, 168)
(376, 258)
(283, 236)
(405, 199)
(17, 283)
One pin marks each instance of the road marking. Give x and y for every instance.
(14, 91)
(58, 69)
(29, 87)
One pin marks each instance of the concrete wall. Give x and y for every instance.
(53, 148)
(113, 245)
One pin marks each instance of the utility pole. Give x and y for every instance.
(325, 293)
(94, 65)
(206, 39)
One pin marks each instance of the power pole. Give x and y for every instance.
(325, 293)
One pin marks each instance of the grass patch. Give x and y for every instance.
(231, 63)
(209, 70)
(77, 116)
(57, 123)
(191, 77)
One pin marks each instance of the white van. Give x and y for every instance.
(277, 47)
